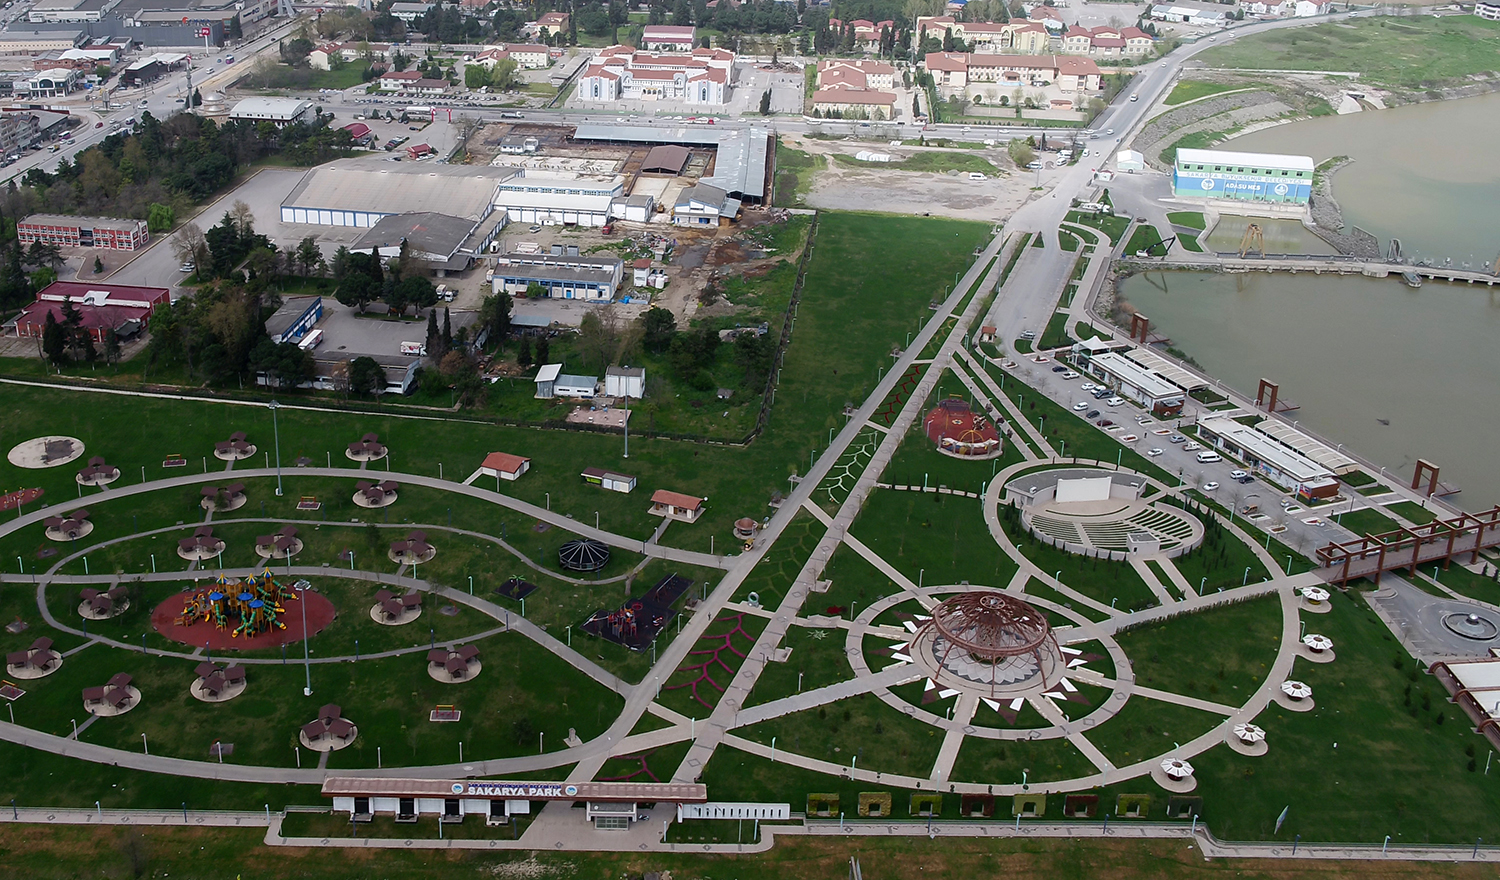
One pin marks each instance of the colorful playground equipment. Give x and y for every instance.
(249, 607)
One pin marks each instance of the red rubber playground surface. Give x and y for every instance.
(320, 613)
(9, 500)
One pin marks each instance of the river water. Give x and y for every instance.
(1353, 351)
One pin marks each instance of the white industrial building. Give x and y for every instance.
(558, 197)
(562, 276)
(625, 382)
(280, 112)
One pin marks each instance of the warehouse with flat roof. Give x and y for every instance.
(359, 192)
(1249, 177)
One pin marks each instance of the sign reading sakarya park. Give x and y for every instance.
(516, 790)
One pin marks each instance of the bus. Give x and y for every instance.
(413, 113)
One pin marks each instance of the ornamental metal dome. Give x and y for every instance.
(583, 554)
(994, 630)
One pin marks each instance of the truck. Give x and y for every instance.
(414, 348)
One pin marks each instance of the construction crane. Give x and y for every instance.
(1253, 240)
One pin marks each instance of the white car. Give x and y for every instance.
(1070, 375)
(1154, 451)
(1236, 474)
(1080, 407)
(1087, 386)
(1210, 486)
(1191, 446)
(1115, 401)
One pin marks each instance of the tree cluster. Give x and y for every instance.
(363, 279)
(173, 164)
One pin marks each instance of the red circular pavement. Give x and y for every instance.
(320, 613)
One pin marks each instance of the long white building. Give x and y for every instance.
(621, 73)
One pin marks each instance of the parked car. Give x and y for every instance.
(1087, 386)
(1114, 401)
(1236, 474)
(1080, 407)
(1059, 369)
(1192, 447)
(1070, 375)
(1104, 423)
(1176, 438)
(1092, 414)
(1210, 486)
(1154, 451)
(1209, 457)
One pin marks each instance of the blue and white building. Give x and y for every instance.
(1247, 177)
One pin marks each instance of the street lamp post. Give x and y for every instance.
(276, 432)
(306, 657)
(1247, 576)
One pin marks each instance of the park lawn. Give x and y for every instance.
(1189, 219)
(1145, 728)
(1190, 242)
(1103, 580)
(534, 698)
(818, 659)
(856, 584)
(1112, 226)
(1221, 654)
(1467, 583)
(32, 778)
(1222, 559)
(1416, 51)
(387, 698)
(1429, 786)
(1412, 512)
(891, 405)
(1143, 238)
(917, 461)
(862, 729)
(933, 538)
(774, 575)
(1040, 590)
(1366, 521)
(1056, 334)
(1189, 90)
(794, 175)
(1044, 760)
(834, 490)
(652, 765)
(1068, 240)
(694, 688)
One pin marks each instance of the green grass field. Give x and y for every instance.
(1414, 51)
(1144, 237)
(931, 161)
(794, 175)
(1190, 90)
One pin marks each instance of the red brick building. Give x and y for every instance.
(96, 232)
(116, 307)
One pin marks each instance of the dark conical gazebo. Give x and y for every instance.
(583, 554)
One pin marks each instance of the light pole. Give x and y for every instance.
(301, 587)
(276, 432)
(471, 585)
(1247, 576)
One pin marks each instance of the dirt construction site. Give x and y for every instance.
(849, 187)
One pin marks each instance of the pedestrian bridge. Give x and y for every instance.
(1324, 264)
(1437, 541)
